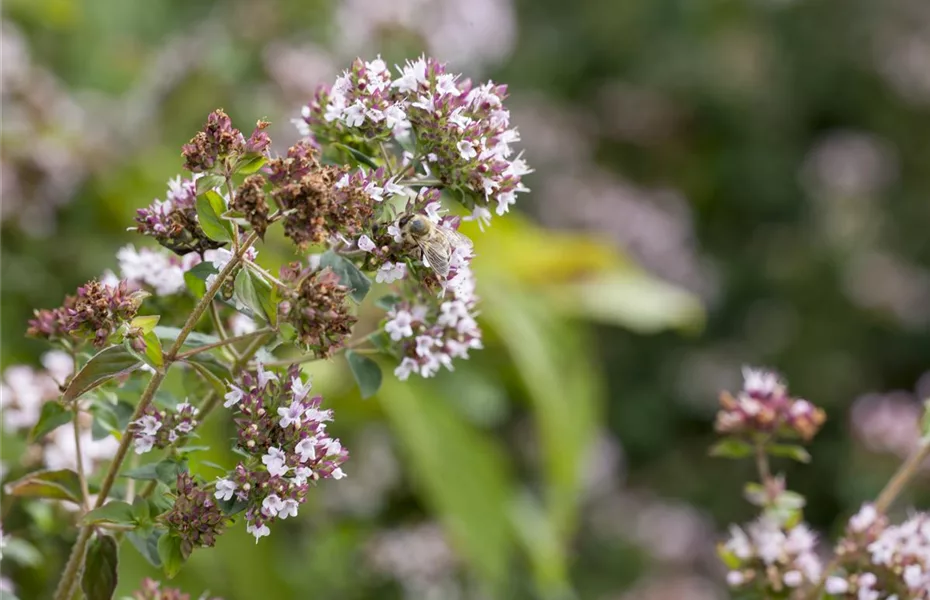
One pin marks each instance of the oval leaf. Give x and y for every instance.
(731, 448)
(250, 164)
(166, 471)
(153, 354)
(349, 275)
(210, 206)
(146, 323)
(53, 416)
(367, 373)
(147, 545)
(169, 551)
(63, 484)
(208, 182)
(105, 365)
(791, 451)
(117, 512)
(359, 156)
(267, 296)
(100, 570)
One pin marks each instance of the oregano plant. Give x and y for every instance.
(378, 151)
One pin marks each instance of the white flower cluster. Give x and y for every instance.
(773, 557)
(898, 558)
(431, 338)
(161, 271)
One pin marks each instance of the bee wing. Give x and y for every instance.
(458, 239)
(436, 255)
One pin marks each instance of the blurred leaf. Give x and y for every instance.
(728, 558)
(208, 182)
(194, 339)
(554, 365)
(100, 568)
(160, 500)
(104, 366)
(63, 484)
(462, 475)
(359, 156)
(630, 298)
(166, 471)
(169, 551)
(791, 451)
(542, 545)
(146, 323)
(367, 373)
(925, 421)
(141, 511)
(53, 416)
(210, 206)
(349, 275)
(731, 448)
(218, 385)
(147, 544)
(112, 512)
(387, 302)
(109, 418)
(232, 506)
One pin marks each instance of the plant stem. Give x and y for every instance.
(217, 321)
(765, 472)
(902, 477)
(387, 158)
(221, 343)
(68, 582)
(420, 182)
(82, 477)
(264, 273)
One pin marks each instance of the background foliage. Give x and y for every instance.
(717, 183)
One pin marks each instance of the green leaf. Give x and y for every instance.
(217, 383)
(153, 354)
(105, 365)
(114, 511)
(246, 293)
(791, 451)
(349, 274)
(110, 418)
(166, 471)
(925, 422)
(209, 182)
(100, 568)
(169, 551)
(250, 164)
(53, 416)
(194, 339)
(381, 341)
(268, 297)
(387, 302)
(232, 506)
(141, 511)
(196, 280)
(462, 475)
(147, 544)
(63, 484)
(357, 155)
(728, 558)
(21, 552)
(367, 373)
(731, 448)
(146, 323)
(210, 206)
(160, 500)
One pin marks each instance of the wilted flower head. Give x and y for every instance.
(195, 517)
(96, 313)
(770, 558)
(280, 424)
(318, 309)
(462, 131)
(219, 140)
(173, 222)
(323, 201)
(764, 406)
(250, 201)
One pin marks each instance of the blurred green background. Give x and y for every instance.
(717, 183)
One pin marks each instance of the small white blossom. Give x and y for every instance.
(338, 473)
(276, 462)
(258, 532)
(299, 389)
(143, 443)
(288, 509)
(365, 243)
(301, 475)
(467, 149)
(265, 376)
(390, 272)
(354, 116)
(836, 585)
(405, 368)
(148, 425)
(291, 415)
(306, 448)
(224, 489)
(234, 396)
(863, 519)
(400, 326)
(272, 505)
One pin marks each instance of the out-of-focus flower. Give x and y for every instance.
(23, 392)
(674, 587)
(278, 423)
(770, 558)
(160, 272)
(764, 406)
(887, 422)
(882, 281)
(239, 324)
(879, 561)
(375, 472)
(152, 590)
(416, 556)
